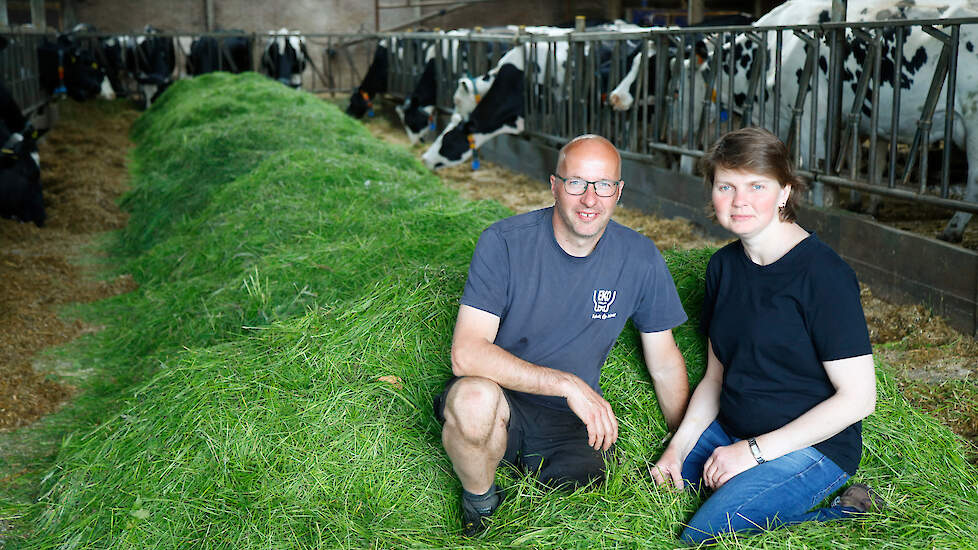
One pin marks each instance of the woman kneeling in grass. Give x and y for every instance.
(774, 426)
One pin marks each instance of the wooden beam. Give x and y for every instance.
(209, 15)
(695, 13)
(68, 14)
(38, 17)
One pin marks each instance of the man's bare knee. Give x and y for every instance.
(473, 407)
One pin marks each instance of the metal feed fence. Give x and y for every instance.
(684, 96)
(18, 68)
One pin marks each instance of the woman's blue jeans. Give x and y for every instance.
(779, 492)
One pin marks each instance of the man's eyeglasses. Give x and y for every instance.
(578, 186)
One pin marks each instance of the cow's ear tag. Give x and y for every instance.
(478, 98)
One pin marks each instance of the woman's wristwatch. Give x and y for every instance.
(754, 450)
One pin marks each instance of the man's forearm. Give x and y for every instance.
(509, 371)
(672, 393)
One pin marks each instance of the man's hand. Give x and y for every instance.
(595, 412)
(726, 462)
(668, 469)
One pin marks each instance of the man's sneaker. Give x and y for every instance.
(860, 496)
(474, 521)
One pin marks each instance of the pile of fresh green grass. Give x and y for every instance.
(286, 262)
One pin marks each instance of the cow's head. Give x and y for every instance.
(499, 112)
(451, 147)
(285, 57)
(417, 120)
(623, 96)
(469, 92)
(360, 103)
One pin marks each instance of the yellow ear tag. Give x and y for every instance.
(713, 96)
(94, 65)
(478, 98)
(471, 142)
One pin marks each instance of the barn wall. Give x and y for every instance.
(313, 16)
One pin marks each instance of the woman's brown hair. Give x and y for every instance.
(758, 151)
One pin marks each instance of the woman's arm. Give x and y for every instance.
(702, 410)
(854, 380)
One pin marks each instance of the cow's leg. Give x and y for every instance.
(954, 231)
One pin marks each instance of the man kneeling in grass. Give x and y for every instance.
(547, 295)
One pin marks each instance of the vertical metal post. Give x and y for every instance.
(836, 57)
(952, 70)
(638, 140)
(4, 21)
(256, 53)
(895, 120)
(874, 118)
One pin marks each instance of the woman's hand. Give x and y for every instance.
(668, 469)
(726, 462)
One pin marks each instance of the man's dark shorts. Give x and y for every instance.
(552, 443)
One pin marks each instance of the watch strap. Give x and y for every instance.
(755, 451)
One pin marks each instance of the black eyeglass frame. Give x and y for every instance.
(593, 184)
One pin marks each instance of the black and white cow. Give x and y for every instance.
(921, 52)
(374, 82)
(228, 53)
(500, 110)
(469, 91)
(66, 68)
(417, 113)
(20, 169)
(285, 57)
(151, 60)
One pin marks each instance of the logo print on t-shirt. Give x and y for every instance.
(602, 303)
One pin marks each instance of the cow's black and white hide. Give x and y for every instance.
(66, 68)
(373, 83)
(20, 170)
(227, 53)
(152, 60)
(920, 55)
(499, 112)
(285, 57)
(417, 113)
(117, 53)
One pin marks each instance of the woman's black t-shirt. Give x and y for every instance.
(772, 327)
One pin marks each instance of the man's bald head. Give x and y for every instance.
(590, 146)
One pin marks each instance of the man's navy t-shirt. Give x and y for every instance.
(772, 327)
(565, 312)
